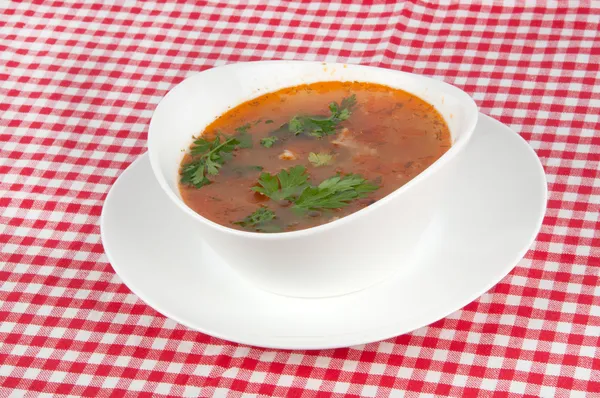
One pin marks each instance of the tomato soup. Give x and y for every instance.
(307, 155)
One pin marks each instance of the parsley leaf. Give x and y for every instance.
(268, 142)
(320, 126)
(285, 185)
(334, 192)
(243, 129)
(242, 170)
(320, 159)
(245, 139)
(268, 121)
(193, 173)
(207, 158)
(259, 221)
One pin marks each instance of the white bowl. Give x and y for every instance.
(340, 257)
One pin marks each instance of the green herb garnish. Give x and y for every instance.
(246, 169)
(243, 129)
(334, 192)
(207, 158)
(286, 185)
(320, 126)
(268, 142)
(320, 159)
(259, 221)
(245, 139)
(268, 121)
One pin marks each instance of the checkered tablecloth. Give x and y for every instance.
(78, 84)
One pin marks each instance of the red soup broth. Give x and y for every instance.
(369, 143)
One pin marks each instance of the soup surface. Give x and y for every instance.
(310, 154)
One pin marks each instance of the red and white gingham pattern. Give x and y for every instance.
(78, 85)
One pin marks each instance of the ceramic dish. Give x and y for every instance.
(489, 218)
(329, 259)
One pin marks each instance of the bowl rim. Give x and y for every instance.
(454, 150)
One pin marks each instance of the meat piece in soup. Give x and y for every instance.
(307, 155)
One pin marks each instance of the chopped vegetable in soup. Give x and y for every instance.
(310, 154)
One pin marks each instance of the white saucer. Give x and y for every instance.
(498, 204)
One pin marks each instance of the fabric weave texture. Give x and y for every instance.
(78, 85)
